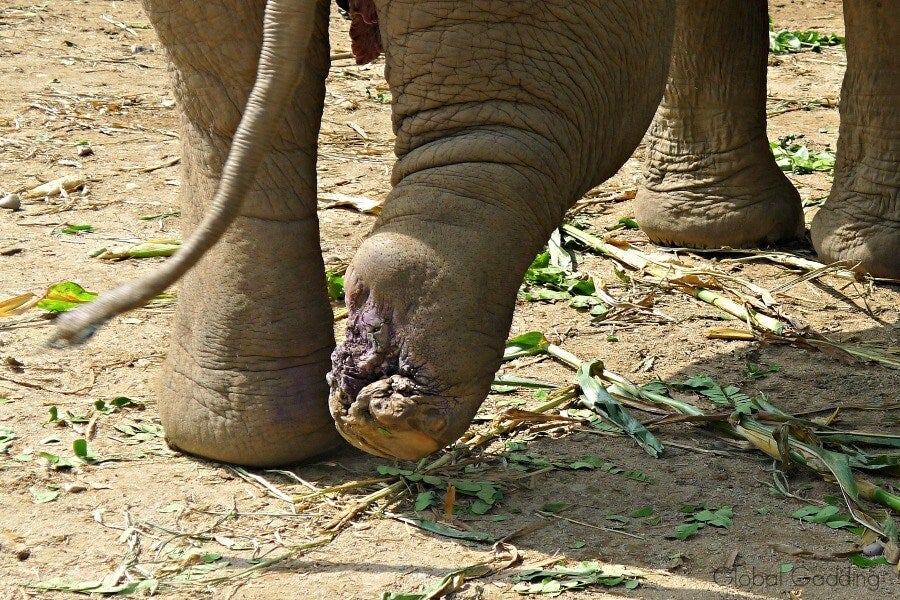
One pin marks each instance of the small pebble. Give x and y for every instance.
(11, 201)
(873, 549)
(84, 150)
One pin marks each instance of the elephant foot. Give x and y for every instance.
(431, 298)
(847, 230)
(419, 354)
(274, 415)
(244, 379)
(737, 199)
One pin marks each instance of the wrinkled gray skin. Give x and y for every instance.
(711, 179)
(505, 114)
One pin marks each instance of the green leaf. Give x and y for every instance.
(644, 511)
(555, 507)
(386, 470)
(545, 295)
(839, 465)
(784, 41)
(559, 256)
(865, 562)
(489, 493)
(623, 223)
(63, 296)
(785, 568)
(448, 531)
(580, 576)
(550, 278)
(721, 517)
(799, 159)
(43, 496)
(591, 302)
(66, 584)
(683, 532)
(424, 500)
(140, 432)
(57, 462)
(806, 511)
(596, 462)
(827, 515)
(335, 284)
(875, 439)
(114, 405)
(595, 397)
(823, 515)
(466, 486)
(83, 452)
(526, 344)
(73, 418)
(588, 462)
(729, 395)
(76, 229)
(80, 448)
(656, 387)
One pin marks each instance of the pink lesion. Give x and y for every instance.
(364, 35)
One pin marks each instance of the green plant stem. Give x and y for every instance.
(633, 260)
(564, 356)
(870, 491)
(523, 382)
(733, 308)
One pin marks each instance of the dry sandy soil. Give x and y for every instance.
(70, 74)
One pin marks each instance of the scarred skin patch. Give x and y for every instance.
(376, 401)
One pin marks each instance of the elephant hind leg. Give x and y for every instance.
(711, 180)
(244, 380)
(860, 220)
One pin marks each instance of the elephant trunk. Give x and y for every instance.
(287, 32)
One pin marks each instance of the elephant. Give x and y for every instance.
(505, 113)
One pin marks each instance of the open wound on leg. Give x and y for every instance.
(378, 403)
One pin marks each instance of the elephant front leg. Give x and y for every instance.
(244, 380)
(860, 220)
(505, 113)
(711, 179)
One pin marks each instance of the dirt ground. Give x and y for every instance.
(92, 71)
